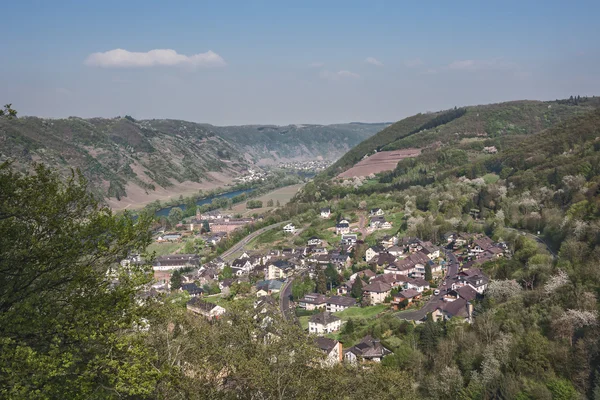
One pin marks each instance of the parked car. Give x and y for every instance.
(436, 292)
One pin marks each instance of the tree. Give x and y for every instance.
(65, 327)
(321, 283)
(205, 226)
(357, 288)
(8, 111)
(428, 275)
(270, 203)
(227, 272)
(332, 275)
(278, 204)
(175, 215)
(176, 280)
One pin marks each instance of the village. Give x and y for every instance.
(336, 274)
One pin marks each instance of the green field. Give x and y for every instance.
(304, 321)
(361, 312)
(163, 249)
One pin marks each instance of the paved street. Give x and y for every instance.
(229, 254)
(434, 301)
(284, 300)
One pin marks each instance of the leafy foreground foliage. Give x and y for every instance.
(66, 330)
(71, 326)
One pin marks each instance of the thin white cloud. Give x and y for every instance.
(476, 65)
(343, 74)
(316, 65)
(415, 62)
(119, 58)
(373, 61)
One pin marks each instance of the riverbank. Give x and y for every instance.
(137, 197)
(282, 195)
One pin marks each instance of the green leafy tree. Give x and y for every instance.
(227, 272)
(205, 227)
(428, 274)
(175, 215)
(8, 111)
(333, 277)
(66, 329)
(176, 280)
(357, 288)
(321, 283)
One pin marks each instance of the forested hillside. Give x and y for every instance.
(121, 156)
(460, 125)
(536, 331)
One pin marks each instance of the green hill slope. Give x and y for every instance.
(121, 156)
(476, 123)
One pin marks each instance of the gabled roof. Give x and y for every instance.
(267, 285)
(326, 344)
(467, 293)
(409, 293)
(369, 348)
(313, 298)
(342, 301)
(201, 304)
(324, 318)
(377, 287)
(419, 282)
(456, 308)
(391, 278)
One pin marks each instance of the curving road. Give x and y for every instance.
(284, 300)
(240, 245)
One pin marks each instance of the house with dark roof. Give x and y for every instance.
(312, 301)
(349, 239)
(368, 350)
(420, 285)
(339, 303)
(388, 241)
(324, 322)
(204, 308)
(405, 297)
(375, 212)
(394, 280)
(377, 292)
(465, 292)
(384, 259)
(268, 287)
(325, 212)
(332, 349)
(342, 227)
(192, 289)
(473, 277)
(459, 308)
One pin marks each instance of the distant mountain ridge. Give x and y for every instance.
(124, 157)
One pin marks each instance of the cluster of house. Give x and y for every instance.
(312, 165)
(221, 223)
(478, 248)
(251, 176)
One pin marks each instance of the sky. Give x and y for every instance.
(279, 62)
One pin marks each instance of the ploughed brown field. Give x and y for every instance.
(379, 162)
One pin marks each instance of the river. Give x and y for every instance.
(164, 212)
